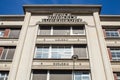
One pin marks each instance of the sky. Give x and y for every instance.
(11, 7)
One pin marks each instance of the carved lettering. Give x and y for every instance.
(62, 17)
(61, 64)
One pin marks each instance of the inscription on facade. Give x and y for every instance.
(61, 64)
(62, 17)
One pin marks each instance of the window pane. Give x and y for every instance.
(42, 52)
(61, 30)
(61, 52)
(115, 53)
(112, 33)
(45, 30)
(14, 33)
(78, 30)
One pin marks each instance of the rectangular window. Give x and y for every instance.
(79, 75)
(42, 52)
(61, 30)
(10, 32)
(112, 33)
(60, 75)
(78, 30)
(60, 51)
(7, 53)
(14, 33)
(1, 33)
(115, 52)
(117, 75)
(45, 30)
(3, 75)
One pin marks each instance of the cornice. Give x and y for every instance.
(62, 8)
(11, 17)
(110, 17)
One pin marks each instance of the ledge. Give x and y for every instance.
(61, 8)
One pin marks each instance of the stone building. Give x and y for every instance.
(60, 42)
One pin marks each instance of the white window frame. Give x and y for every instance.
(73, 75)
(5, 54)
(116, 58)
(110, 32)
(81, 74)
(1, 33)
(71, 31)
(5, 76)
(79, 34)
(50, 52)
(36, 52)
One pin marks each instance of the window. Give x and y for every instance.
(61, 30)
(60, 51)
(78, 75)
(7, 53)
(1, 33)
(112, 33)
(60, 75)
(78, 30)
(42, 52)
(115, 54)
(117, 75)
(3, 75)
(10, 33)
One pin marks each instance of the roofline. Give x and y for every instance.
(26, 7)
(12, 16)
(109, 15)
(62, 5)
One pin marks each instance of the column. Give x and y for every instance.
(103, 48)
(96, 64)
(19, 48)
(25, 64)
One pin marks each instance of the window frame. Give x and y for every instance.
(112, 31)
(70, 30)
(5, 75)
(115, 51)
(72, 74)
(2, 32)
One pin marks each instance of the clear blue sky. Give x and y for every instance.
(111, 7)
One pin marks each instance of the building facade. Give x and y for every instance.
(60, 42)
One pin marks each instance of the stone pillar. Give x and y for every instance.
(25, 64)
(19, 48)
(96, 64)
(103, 48)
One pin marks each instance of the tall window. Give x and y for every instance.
(60, 51)
(7, 53)
(112, 33)
(3, 75)
(115, 54)
(117, 75)
(60, 75)
(1, 33)
(78, 75)
(42, 52)
(61, 30)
